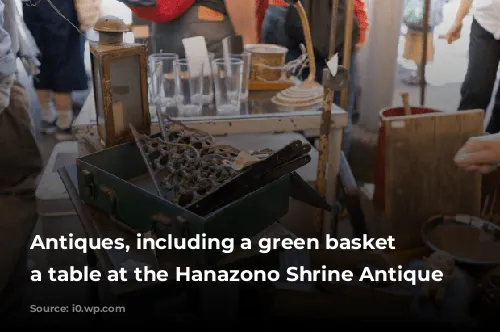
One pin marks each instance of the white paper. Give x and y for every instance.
(227, 55)
(333, 64)
(197, 55)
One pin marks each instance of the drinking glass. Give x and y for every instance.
(227, 78)
(189, 87)
(246, 57)
(161, 68)
(208, 81)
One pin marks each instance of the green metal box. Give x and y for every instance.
(116, 181)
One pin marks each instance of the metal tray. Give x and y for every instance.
(465, 222)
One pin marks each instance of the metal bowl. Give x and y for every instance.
(430, 225)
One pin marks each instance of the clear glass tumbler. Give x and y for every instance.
(208, 81)
(189, 87)
(161, 69)
(227, 78)
(246, 57)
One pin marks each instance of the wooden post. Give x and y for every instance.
(423, 84)
(349, 18)
(326, 117)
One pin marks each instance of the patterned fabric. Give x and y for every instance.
(164, 11)
(362, 16)
(277, 3)
(413, 16)
(88, 12)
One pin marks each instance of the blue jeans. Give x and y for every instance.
(273, 31)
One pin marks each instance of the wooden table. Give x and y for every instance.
(257, 115)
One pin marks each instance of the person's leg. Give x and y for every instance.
(64, 108)
(49, 114)
(484, 56)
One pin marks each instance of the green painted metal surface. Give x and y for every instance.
(109, 181)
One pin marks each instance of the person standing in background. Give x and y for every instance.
(262, 6)
(484, 57)
(273, 29)
(20, 165)
(277, 30)
(62, 68)
(175, 20)
(414, 40)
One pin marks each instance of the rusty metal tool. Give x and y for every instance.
(326, 117)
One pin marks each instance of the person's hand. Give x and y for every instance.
(358, 47)
(454, 33)
(480, 154)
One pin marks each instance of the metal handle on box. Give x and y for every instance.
(112, 197)
(88, 179)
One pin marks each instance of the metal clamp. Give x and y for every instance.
(88, 182)
(339, 81)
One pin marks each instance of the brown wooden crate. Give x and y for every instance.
(421, 178)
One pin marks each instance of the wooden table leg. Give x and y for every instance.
(335, 147)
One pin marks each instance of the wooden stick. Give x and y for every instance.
(423, 84)
(349, 19)
(309, 45)
(406, 103)
(326, 117)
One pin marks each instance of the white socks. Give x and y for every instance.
(48, 112)
(64, 119)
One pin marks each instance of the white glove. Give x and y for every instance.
(5, 86)
(480, 154)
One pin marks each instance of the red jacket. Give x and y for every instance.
(362, 16)
(164, 11)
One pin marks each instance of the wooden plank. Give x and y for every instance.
(254, 85)
(421, 177)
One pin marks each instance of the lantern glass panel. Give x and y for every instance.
(125, 77)
(98, 96)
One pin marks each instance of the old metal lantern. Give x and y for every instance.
(119, 71)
